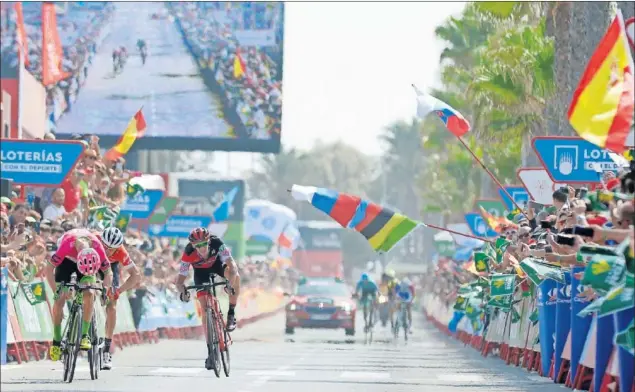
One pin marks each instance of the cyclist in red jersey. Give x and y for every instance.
(112, 239)
(60, 268)
(208, 254)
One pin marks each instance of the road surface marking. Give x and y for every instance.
(360, 375)
(177, 370)
(271, 373)
(458, 377)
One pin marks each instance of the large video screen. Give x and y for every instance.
(208, 76)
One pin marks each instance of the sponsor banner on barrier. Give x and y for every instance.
(35, 320)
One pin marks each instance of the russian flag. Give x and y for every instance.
(452, 119)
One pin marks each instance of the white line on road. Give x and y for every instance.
(271, 373)
(361, 375)
(458, 377)
(177, 370)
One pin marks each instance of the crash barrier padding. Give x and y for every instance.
(27, 328)
(587, 358)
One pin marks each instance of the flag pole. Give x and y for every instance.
(489, 173)
(456, 232)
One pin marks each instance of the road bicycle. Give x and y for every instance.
(401, 321)
(368, 310)
(72, 334)
(216, 335)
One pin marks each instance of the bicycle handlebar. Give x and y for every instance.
(80, 287)
(206, 285)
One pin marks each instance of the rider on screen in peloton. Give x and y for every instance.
(79, 246)
(369, 291)
(208, 254)
(112, 239)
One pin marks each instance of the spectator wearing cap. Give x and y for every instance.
(56, 210)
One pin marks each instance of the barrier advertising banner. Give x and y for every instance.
(547, 297)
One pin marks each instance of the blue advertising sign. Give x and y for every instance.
(572, 159)
(579, 325)
(626, 359)
(518, 193)
(179, 226)
(39, 162)
(547, 298)
(4, 318)
(563, 318)
(603, 347)
(142, 205)
(477, 225)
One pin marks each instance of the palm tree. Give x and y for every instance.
(276, 174)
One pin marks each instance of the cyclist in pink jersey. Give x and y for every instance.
(62, 265)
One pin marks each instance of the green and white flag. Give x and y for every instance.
(101, 217)
(503, 302)
(538, 271)
(604, 272)
(617, 299)
(500, 246)
(444, 244)
(500, 284)
(481, 261)
(34, 292)
(626, 338)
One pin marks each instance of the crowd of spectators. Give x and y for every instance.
(608, 210)
(256, 96)
(81, 30)
(33, 219)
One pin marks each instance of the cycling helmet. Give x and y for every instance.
(112, 237)
(199, 234)
(364, 276)
(88, 262)
(390, 273)
(406, 282)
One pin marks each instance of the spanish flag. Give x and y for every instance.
(239, 66)
(601, 111)
(136, 128)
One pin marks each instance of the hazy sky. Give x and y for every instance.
(348, 69)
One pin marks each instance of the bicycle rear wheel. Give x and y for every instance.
(225, 352)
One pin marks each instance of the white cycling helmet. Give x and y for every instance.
(112, 237)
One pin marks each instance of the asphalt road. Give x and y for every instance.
(266, 360)
(174, 97)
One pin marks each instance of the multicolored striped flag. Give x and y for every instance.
(601, 110)
(382, 227)
(135, 130)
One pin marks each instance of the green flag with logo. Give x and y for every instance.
(617, 299)
(515, 315)
(500, 246)
(604, 272)
(461, 303)
(626, 338)
(133, 190)
(122, 221)
(538, 271)
(533, 317)
(34, 292)
(481, 261)
(500, 284)
(503, 302)
(101, 217)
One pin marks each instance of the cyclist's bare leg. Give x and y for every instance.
(111, 318)
(410, 315)
(232, 275)
(89, 301)
(202, 300)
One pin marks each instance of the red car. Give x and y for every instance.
(321, 303)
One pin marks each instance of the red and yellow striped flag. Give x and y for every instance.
(601, 111)
(135, 130)
(239, 66)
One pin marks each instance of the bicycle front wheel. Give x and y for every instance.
(74, 338)
(94, 354)
(212, 343)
